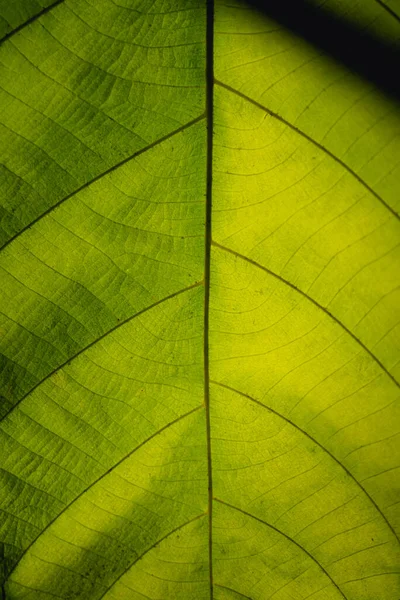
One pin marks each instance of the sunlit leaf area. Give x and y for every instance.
(199, 306)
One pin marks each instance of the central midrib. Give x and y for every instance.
(207, 259)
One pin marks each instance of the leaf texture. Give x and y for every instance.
(200, 299)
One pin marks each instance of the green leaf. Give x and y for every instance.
(200, 307)
(16, 14)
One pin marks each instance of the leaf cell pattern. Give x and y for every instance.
(199, 315)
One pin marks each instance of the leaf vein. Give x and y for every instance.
(319, 444)
(310, 139)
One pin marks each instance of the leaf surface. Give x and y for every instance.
(199, 308)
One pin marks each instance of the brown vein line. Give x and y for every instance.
(103, 174)
(207, 259)
(287, 537)
(310, 139)
(67, 506)
(388, 9)
(31, 589)
(224, 587)
(305, 295)
(31, 20)
(374, 575)
(151, 548)
(310, 437)
(120, 324)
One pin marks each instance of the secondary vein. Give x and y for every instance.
(289, 538)
(96, 481)
(98, 339)
(31, 20)
(317, 443)
(314, 142)
(100, 176)
(317, 304)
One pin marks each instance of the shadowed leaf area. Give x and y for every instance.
(199, 308)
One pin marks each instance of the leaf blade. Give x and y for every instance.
(113, 468)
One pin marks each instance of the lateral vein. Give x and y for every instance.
(31, 20)
(196, 518)
(305, 295)
(315, 441)
(101, 175)
(310, 139)
(104, 335)
(288, 538)
(110, 470)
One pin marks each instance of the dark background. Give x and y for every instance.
(368, 55)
